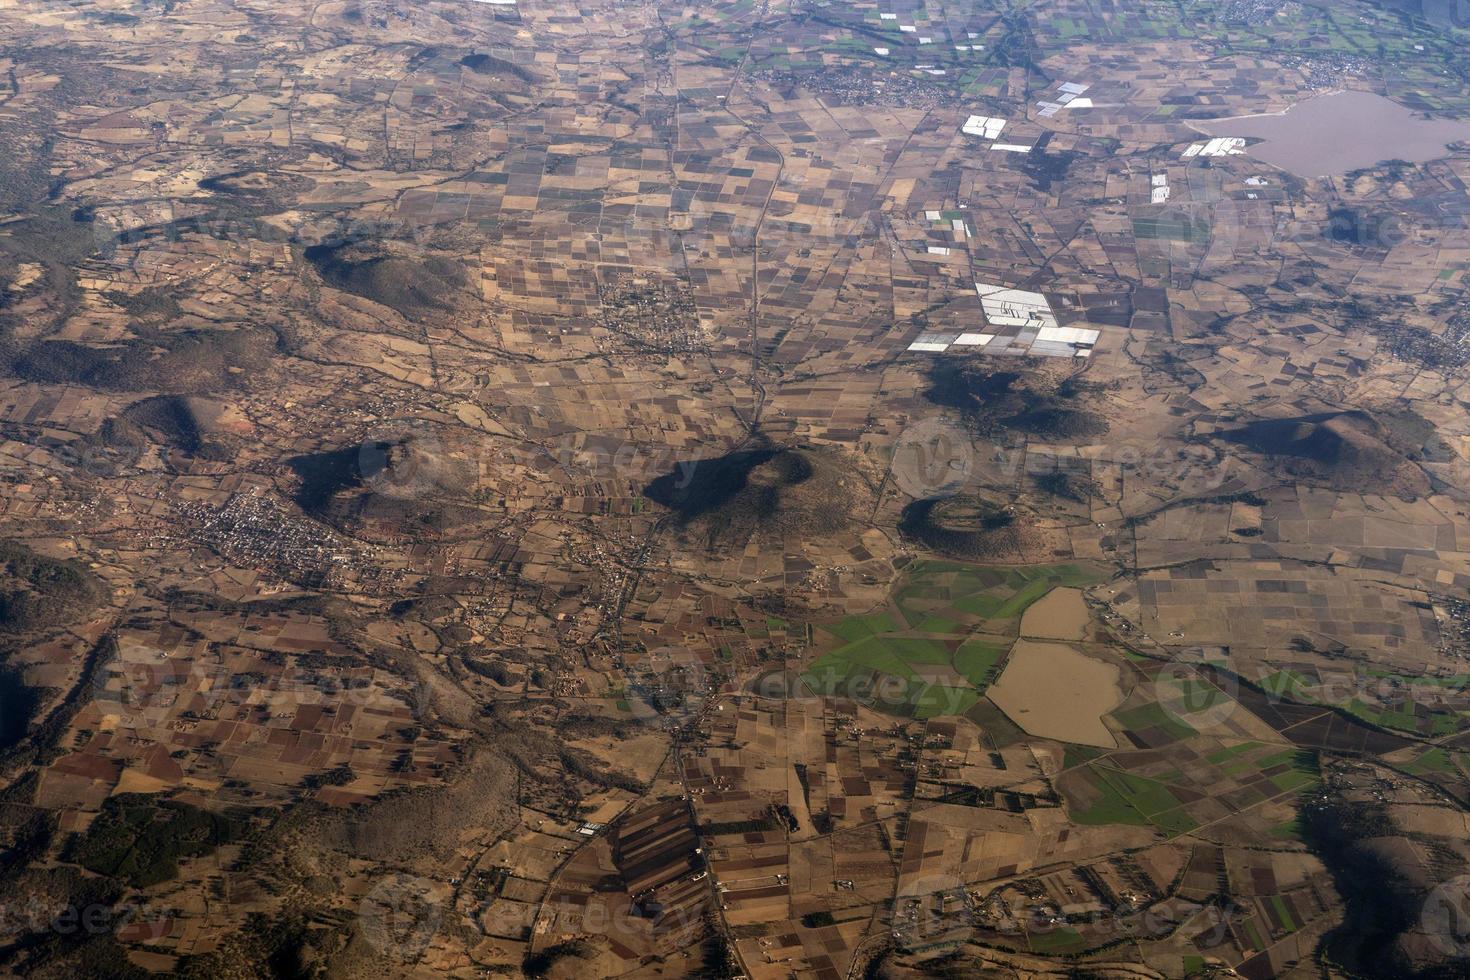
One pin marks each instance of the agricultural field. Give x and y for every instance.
(941, 641)
(900, 488)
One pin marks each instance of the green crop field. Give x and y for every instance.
(940, 643)
(1152, 715)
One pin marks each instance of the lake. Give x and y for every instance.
(1061, 614)
(1328, 135)
(1052, 690)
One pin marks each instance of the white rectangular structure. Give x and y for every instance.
(1011, 147)
(1068, 335)
(932, 343)
(1159, 189)
(1014, 307)
(1219, 146)
(1066, 98)
(1027, 324)
(985, 127)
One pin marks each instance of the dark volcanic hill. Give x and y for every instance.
(185, 361)
(994, 399)
(407, 482)
(37, 592)
(967, 526)
(176, 421)
(1341, 449)
(726, 499)
(414, 286)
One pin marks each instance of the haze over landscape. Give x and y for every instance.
(768, 489)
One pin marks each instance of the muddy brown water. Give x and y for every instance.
(1061, 614)
(1333, 134)
(1052, 690)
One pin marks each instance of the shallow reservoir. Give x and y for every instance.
(1333, 134)
(1052, 690)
